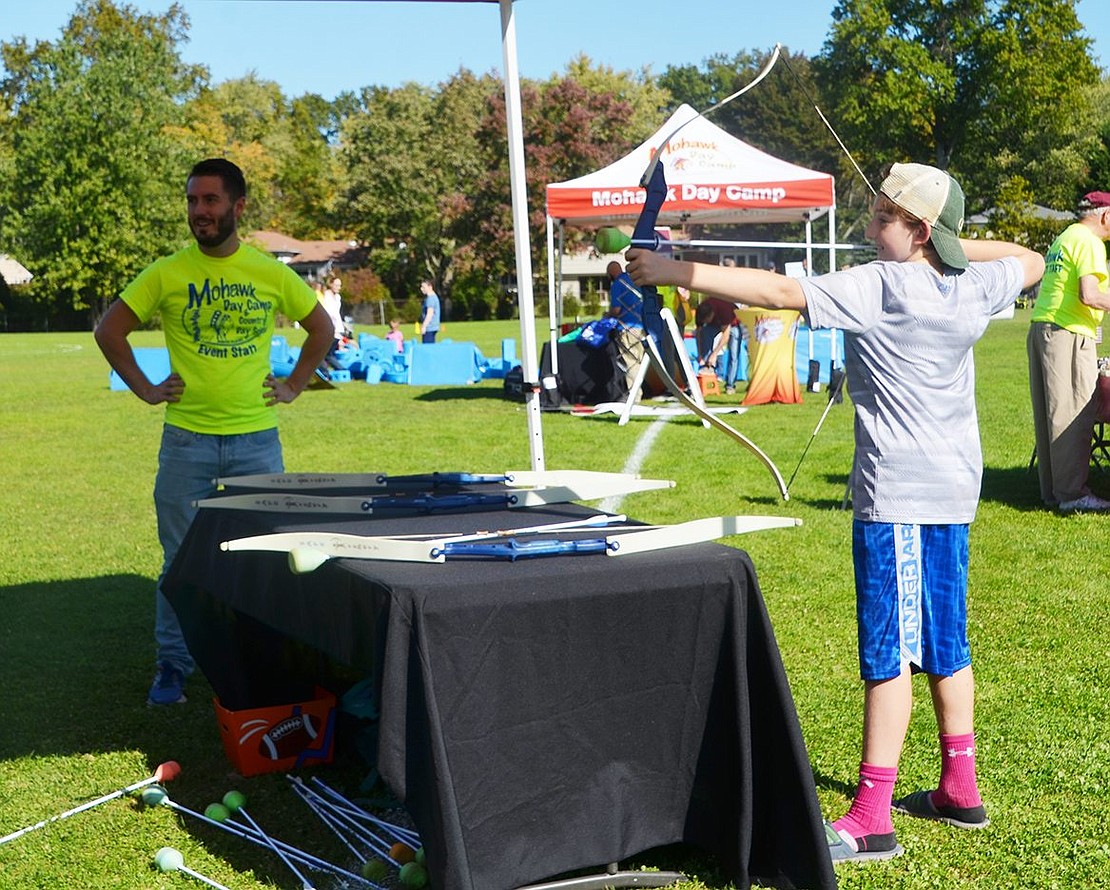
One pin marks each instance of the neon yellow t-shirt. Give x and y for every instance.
(218, 319)
(1077, 251)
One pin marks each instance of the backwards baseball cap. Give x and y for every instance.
(934, 196)
(1094, 200)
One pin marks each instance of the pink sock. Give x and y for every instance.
(957, 787)
(870, 810)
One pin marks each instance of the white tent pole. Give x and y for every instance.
(521, 237)
(809, 246)
(552, 292)
(559, 296)
(833, 357)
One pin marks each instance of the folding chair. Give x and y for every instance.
(1100, 437)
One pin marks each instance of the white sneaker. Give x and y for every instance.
(1089, 503)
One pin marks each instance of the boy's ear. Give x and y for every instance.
(923, 232)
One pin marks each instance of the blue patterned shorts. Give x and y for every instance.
(911, 598)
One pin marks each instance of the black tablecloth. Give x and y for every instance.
(540, 716)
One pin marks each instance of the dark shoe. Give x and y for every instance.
(920, 805)
(869, 848)
(168, 687)
(1089, 503)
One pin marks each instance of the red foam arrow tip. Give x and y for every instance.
(167, 771)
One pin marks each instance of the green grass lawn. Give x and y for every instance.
(81, 556)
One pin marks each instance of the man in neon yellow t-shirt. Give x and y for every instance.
(217, 299)
(1063, 365)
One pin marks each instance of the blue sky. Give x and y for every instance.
(328, 46)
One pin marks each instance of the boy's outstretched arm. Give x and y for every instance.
(753, 287)
(979, 250)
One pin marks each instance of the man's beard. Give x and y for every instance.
(225, 226)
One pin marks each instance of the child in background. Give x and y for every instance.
(395, 334)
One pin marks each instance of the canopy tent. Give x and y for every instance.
(13, 271)
(712, 177)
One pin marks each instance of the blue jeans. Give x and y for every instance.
(733, 355)
(188, 465)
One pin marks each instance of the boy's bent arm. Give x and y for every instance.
(980, 250)
(753, 287)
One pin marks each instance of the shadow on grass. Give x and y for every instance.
(837, 785)
(78, 661)
(465, 394)
(1016, 487)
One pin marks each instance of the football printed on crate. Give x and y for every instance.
(286, 738)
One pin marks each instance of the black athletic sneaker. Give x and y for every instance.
(920, 805)
(869, 848)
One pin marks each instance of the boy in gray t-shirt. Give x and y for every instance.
(911, 319)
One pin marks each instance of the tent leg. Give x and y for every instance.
(519, 198)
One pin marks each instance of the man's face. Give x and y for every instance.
(213, 216)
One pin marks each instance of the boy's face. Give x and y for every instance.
(894, 238)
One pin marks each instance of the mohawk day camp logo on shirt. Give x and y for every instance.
(223, 318)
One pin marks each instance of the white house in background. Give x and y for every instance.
(13, 271)
(312, 260)
(1039, 212)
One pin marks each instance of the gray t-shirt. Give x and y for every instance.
(911, 375)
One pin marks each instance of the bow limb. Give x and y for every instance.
(643, 235)
(763, 72)
(712, 419)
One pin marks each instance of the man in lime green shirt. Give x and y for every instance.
(217, 299)
(1063, 361)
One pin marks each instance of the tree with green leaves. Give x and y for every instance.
(1098, 159)
(409, 157)
(776, 117)
(573, 124)
(987, 89)
(283, 148)
(94, 182)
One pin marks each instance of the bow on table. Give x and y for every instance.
(643, 236)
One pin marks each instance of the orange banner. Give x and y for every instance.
(771, 373)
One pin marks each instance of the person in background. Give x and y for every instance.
(683, 313)
(333, 305)
(911, 319)
(395, 335)
(221, 397)
(1063, 359)
(429, 320)
(736, 334)
(717, 330)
